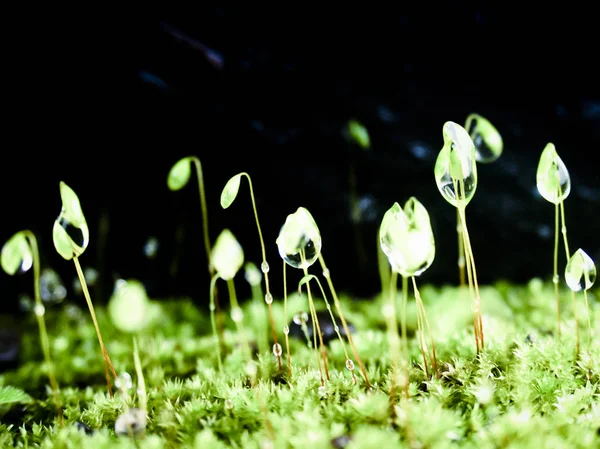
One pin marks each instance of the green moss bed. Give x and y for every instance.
(526, 389)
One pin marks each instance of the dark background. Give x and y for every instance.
(108, 103)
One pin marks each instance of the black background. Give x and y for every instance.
(108, 101)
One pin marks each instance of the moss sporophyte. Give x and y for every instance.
(424, 385)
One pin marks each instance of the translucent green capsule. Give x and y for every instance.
(552, 177)
(486, 138)
(129, 306)
(456, 168)
(406, 238)
(299, 241)
(227, 255)
(16, 254)
(359, 134)
(70, 232)
(580, 272)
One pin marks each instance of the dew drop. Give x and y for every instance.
(277, 351)
(286, 329)
(552, 177)
(39, 310)
(124, 382)
(326, 273)
(228, 404)
(350, 365)
(237, 314)
(555, 279)
(264, 267)
(269, 298)
(563, 229)
(299, 241)
(455, 167)
(580, 272)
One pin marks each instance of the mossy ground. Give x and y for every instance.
(526, 389)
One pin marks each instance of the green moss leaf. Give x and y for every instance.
(12, 395)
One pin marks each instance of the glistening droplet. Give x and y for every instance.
(580, 272)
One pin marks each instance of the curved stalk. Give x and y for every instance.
(107, 362)
(264, 267)
(44, 340)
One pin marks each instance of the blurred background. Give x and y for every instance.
(108, 104)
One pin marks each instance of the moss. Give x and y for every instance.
(526, 388)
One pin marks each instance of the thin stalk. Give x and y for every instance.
(141, 389)
(338, 308)
(107, 362)
(563, 230)
(393, 340)
(471, 261)
(403, 324)
(206, 239)
(422, 342)
(459, 189)
(238, 318)
(204, 211)
(44, 340)
(261, 337)
(317, 332)
(264, 268)
(555, 277)
(589, 320)
(213, 321)
(577, 338)
(286, 328)
(461, 251)
(349, 363)
(420, 304)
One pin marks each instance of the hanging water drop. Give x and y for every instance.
(580, 272)
(264, 267)
(277, 351)
(228, 404)
(326, 273)
(269, 298)
(350, 365)
(552, 178)
(299, 241)
(455, 168)
(39, 310)
(286, 329)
